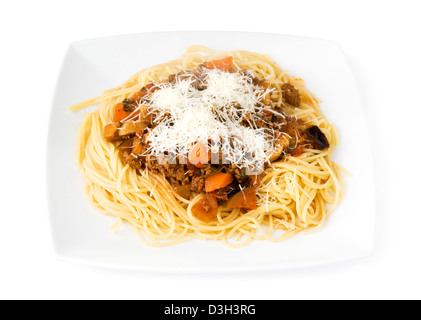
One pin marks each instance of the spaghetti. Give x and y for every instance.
(299, 187)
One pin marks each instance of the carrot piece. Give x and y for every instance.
(222, 64)
(139, 149)
(205, 209)
(297, 151)
(199, 155)
(256, 179)
(120, 114)
(218, 181)
(245, 199)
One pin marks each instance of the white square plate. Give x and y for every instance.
(82, 234)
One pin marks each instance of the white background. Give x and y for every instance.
(382, 42)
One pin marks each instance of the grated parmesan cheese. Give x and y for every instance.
(187, 115)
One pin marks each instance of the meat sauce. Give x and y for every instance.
(220, 183)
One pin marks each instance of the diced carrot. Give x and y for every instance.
(222, 64)
(256, 179)
(139, 149)
(218, 181)
(205, 209)
(199, 155)
(297, 151)
(120, 114)
(245, 199)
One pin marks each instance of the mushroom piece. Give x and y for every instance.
(131, 127)
(290, 94)
(111, 131)
(317, 138)
(280, 145)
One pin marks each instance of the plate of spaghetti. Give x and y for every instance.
(209, 151)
